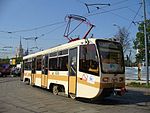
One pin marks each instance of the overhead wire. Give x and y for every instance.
(132, 22)
(118, 3)
(98, 8)
(32, 29)
(106, 11)
(36, 28)
(80, 1)
(111, 11)
(44, 26)
(43, 34)
(40, 27)
(134, 12)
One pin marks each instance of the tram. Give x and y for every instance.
(87, 68)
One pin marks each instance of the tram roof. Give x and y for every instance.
(66, 46)
(61, 47)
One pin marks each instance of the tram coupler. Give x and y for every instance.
(120, 91)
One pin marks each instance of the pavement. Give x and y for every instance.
(128, 81)
(17, 97)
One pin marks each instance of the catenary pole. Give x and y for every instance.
(146, 43)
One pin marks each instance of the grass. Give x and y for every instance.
(138, 84)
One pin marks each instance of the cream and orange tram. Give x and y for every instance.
(88, 68)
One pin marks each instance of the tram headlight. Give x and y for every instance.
(114, 79)
(105, 79)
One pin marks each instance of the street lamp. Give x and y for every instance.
(118, 29)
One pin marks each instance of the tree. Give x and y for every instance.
(139, 42)
(123, 37)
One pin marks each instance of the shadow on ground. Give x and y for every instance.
(131, 97)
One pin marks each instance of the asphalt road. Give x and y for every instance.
(17, 97)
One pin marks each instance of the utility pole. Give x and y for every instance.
(146, 43)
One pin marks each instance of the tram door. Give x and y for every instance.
(44, 77)
(72, 71)
(33, 71)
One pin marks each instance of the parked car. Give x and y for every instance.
(5, 70)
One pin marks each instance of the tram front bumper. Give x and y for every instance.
(120, 91)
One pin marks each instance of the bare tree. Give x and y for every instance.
(123, 37)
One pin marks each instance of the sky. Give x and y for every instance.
(44, 20)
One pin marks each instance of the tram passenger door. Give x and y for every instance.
(33, 71)
(72, 72)
(44, 77)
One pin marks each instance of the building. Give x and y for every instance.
(19, 52)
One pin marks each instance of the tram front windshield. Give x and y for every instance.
(111, 56)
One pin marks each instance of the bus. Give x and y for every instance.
(87, 68)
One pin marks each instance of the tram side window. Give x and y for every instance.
(27, 65)
(88, 59)
(53, 64)
(58, 64)
(63, 63)
(38, 64)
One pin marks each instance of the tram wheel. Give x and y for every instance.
(55, 89)
(73, 96)
(27, 82)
